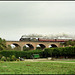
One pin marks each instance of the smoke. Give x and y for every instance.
(51, 36)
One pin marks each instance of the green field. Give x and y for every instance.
(27, 67)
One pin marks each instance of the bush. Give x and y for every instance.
(8, 58)
(17, 60)
(3, 58)
(56, 52)
(38, 48)
(48, 52)
(26, 48)
(13, 58)
(0, 56)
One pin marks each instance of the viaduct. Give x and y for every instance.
(33, 45)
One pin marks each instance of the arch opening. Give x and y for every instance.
(28, 47)
(41, 46)
(15, 46)
(52, 46)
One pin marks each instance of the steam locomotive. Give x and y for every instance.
(43, 39)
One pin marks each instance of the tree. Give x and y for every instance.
(2, 44)
(17, 48)
(67, 43)
(26, 48)
(9, 47)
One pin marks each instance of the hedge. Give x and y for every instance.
(57, 52)
(48, 52)
(26, 54)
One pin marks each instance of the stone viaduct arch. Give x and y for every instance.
(34, 44)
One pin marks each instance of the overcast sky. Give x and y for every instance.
(36, 17)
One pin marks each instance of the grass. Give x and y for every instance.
(67, 60)
(26, 67)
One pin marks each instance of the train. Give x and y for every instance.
(37, 39)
